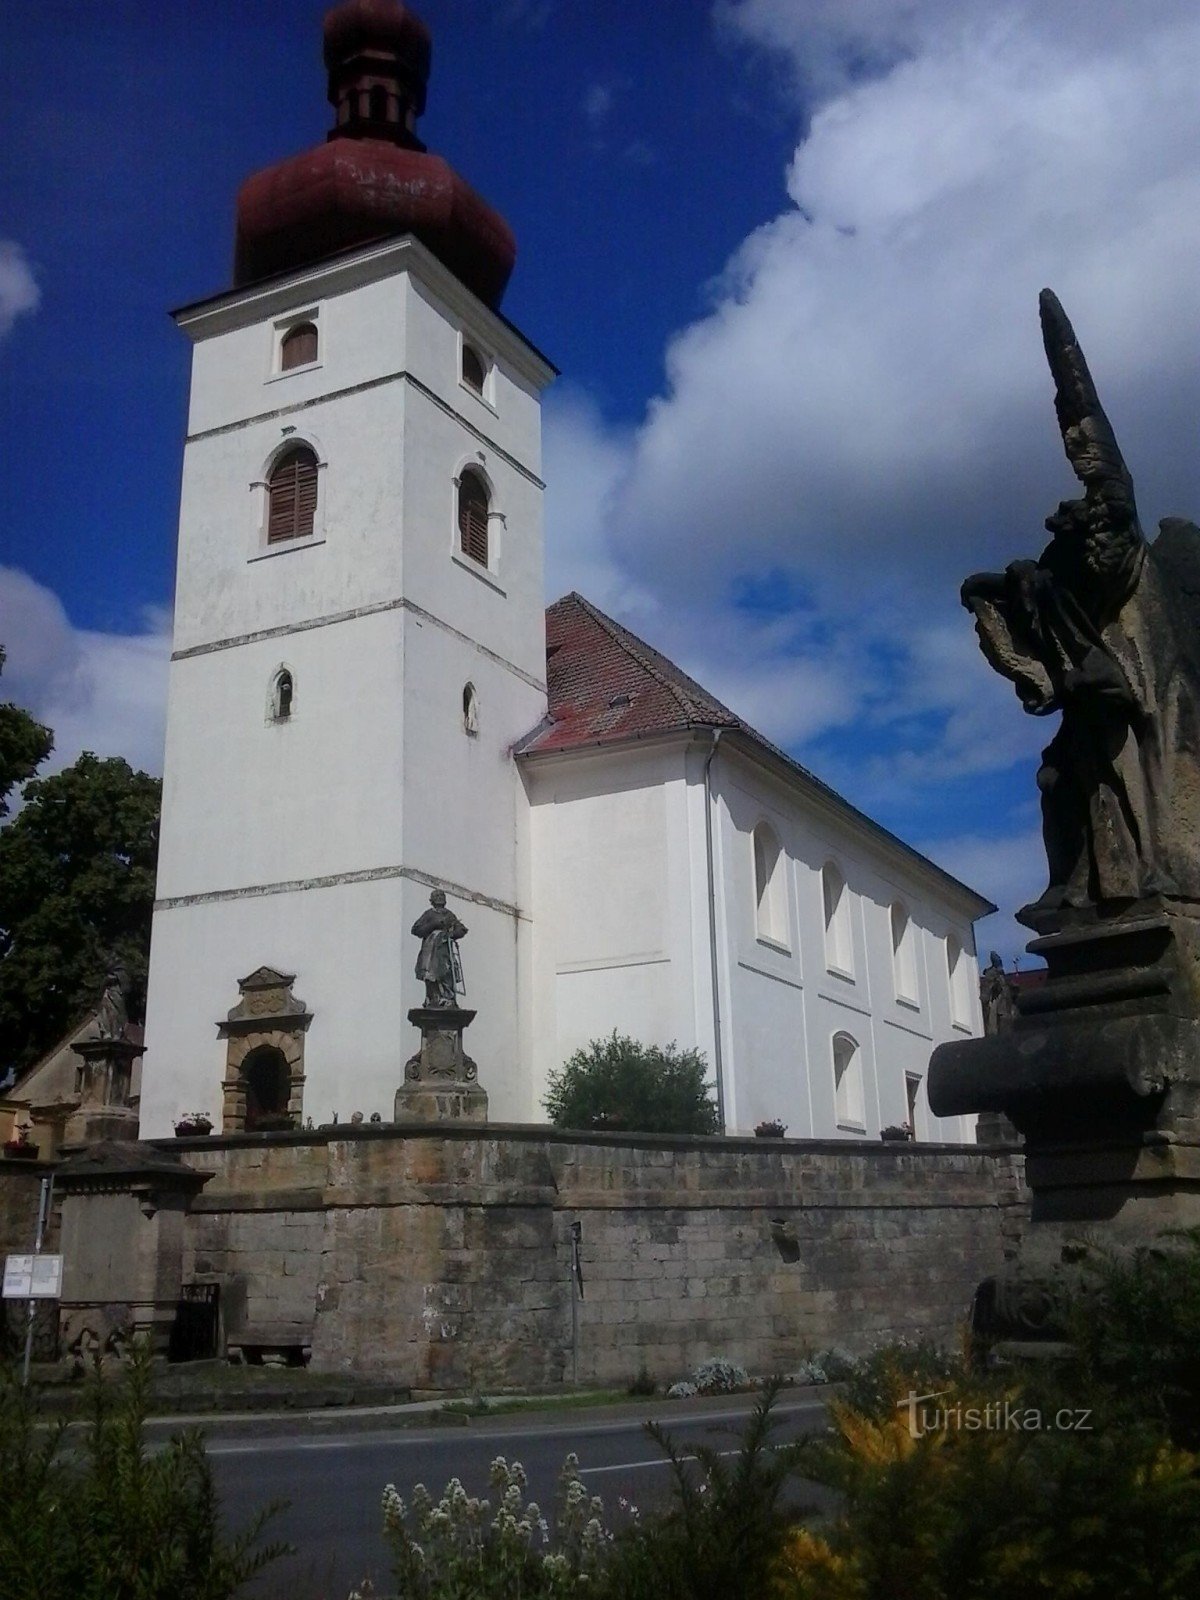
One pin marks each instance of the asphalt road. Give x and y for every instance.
(333, 1473)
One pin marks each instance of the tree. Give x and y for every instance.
(24, 745)
(619, 1083)
(76, 889)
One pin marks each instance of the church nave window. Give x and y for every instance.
(292, 496)
(473, 507)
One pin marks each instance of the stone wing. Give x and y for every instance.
(1087, 434)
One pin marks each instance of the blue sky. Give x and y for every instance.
(786, 253)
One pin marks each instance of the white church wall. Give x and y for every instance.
(783, 1005)
(229, 583)
(338, 818)
(613, 902)
(251, 801)
(353, 957)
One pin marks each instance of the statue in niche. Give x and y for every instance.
(112, 1014)
(438, 964)
(1104, 627)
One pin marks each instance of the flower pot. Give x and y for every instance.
(192, 1130)
(19, 1150)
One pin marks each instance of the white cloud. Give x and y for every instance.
(18, 288)
(104, 692)
(865, 409)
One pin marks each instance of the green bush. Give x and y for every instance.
(727, 1523)
(617, 1083)
(106, 1519)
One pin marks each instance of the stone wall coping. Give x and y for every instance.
(538, 1133)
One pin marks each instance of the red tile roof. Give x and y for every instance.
(607, 686)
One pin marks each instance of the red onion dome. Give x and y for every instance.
(373, 178)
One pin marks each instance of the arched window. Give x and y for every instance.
(379, 103)
(298, 346)
(960, 983)
(473, 517)
(268, 1084)
(839, 945)
(849, 1101)
(282, 691)
(470, 708)
(904, 955)
(473, 372)
(769, 888)
(292, 495)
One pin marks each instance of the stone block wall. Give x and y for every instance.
(20, 1191)
(440, 1257)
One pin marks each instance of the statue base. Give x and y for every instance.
(1099, 1073)
(103, 1081)
(440, 1081)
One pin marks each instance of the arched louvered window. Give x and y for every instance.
(473, 372)
(298, 346)
(292, 496)
(473, 517)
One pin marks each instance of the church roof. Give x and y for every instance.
(605, 686)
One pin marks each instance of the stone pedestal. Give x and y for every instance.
(103, 1080)
(1100, 1074)
(440, 1081)
(123, 1206)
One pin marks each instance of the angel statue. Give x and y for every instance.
(1104, 627)
(438, 964)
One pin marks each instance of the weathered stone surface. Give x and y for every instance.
(440, 1257)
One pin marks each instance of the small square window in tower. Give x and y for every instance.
(474, 371)
(473, 508)
(292, 496)
(298, 347)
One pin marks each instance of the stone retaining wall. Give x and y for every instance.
(440, 1258)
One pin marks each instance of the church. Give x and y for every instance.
(369, 702)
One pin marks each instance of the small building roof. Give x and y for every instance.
(605, 686)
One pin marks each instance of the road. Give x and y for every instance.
(333, 1473)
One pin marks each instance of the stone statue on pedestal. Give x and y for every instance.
(1098, 1067)
(440, 1081)
(1104, 627)
(438, 964)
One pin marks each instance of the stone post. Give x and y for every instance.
(440, 1081)
(123, 1206)
(102, 1081)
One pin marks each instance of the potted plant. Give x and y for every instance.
(772, 1128)
(192, 1123)
(21, 1147)
(898, 1133)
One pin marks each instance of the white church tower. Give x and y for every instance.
(359, 630)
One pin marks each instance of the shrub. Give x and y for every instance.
(111, 1519)
(617, 1083)
(726, 1525)
(460, 1548)
(719, 1376)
